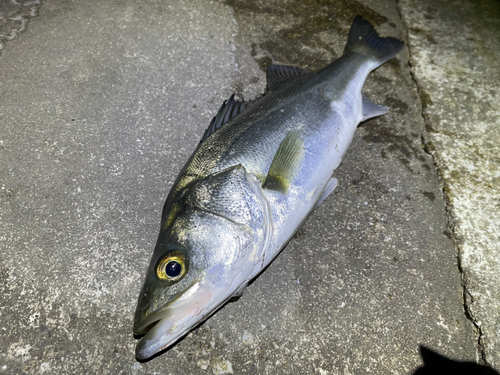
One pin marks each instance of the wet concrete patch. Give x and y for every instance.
(301, 33)
(14, 18)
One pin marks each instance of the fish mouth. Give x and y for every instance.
(166, 326)
(157, 338)
(145, 325)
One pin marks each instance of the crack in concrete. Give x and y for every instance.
(450, 216)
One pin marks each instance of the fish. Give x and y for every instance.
(261, 168)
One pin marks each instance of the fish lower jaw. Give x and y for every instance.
(162, 334)
(151, 343)
(165, 327)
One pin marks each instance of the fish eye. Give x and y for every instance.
(172, 267)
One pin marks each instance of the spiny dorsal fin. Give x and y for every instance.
(228, 110)
(286, 163)
(277, 74)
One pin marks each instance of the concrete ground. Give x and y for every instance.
(101, 104)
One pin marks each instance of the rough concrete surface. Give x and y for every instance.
(455, 51)
(102, 102)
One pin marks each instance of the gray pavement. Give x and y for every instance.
(102, 102)
(458, 75)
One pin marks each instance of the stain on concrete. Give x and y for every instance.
(14, 18)
(430, 195)
(299, 33)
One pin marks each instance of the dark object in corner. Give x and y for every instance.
(437, 364)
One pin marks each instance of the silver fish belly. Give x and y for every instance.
(260, 169)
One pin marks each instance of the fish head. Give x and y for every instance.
(213, 246)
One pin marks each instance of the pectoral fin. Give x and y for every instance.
(286, 163)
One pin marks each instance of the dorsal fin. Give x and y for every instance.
(228, 110)
(277, 74)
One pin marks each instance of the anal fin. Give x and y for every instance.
(371, 109)
(286, 163)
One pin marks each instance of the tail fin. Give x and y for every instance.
(364, 39)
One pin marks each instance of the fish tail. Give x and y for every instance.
(364, 39)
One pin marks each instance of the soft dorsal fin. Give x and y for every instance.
(286, 163)
(277, 74)
(228, 110)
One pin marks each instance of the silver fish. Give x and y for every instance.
(260, 169)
